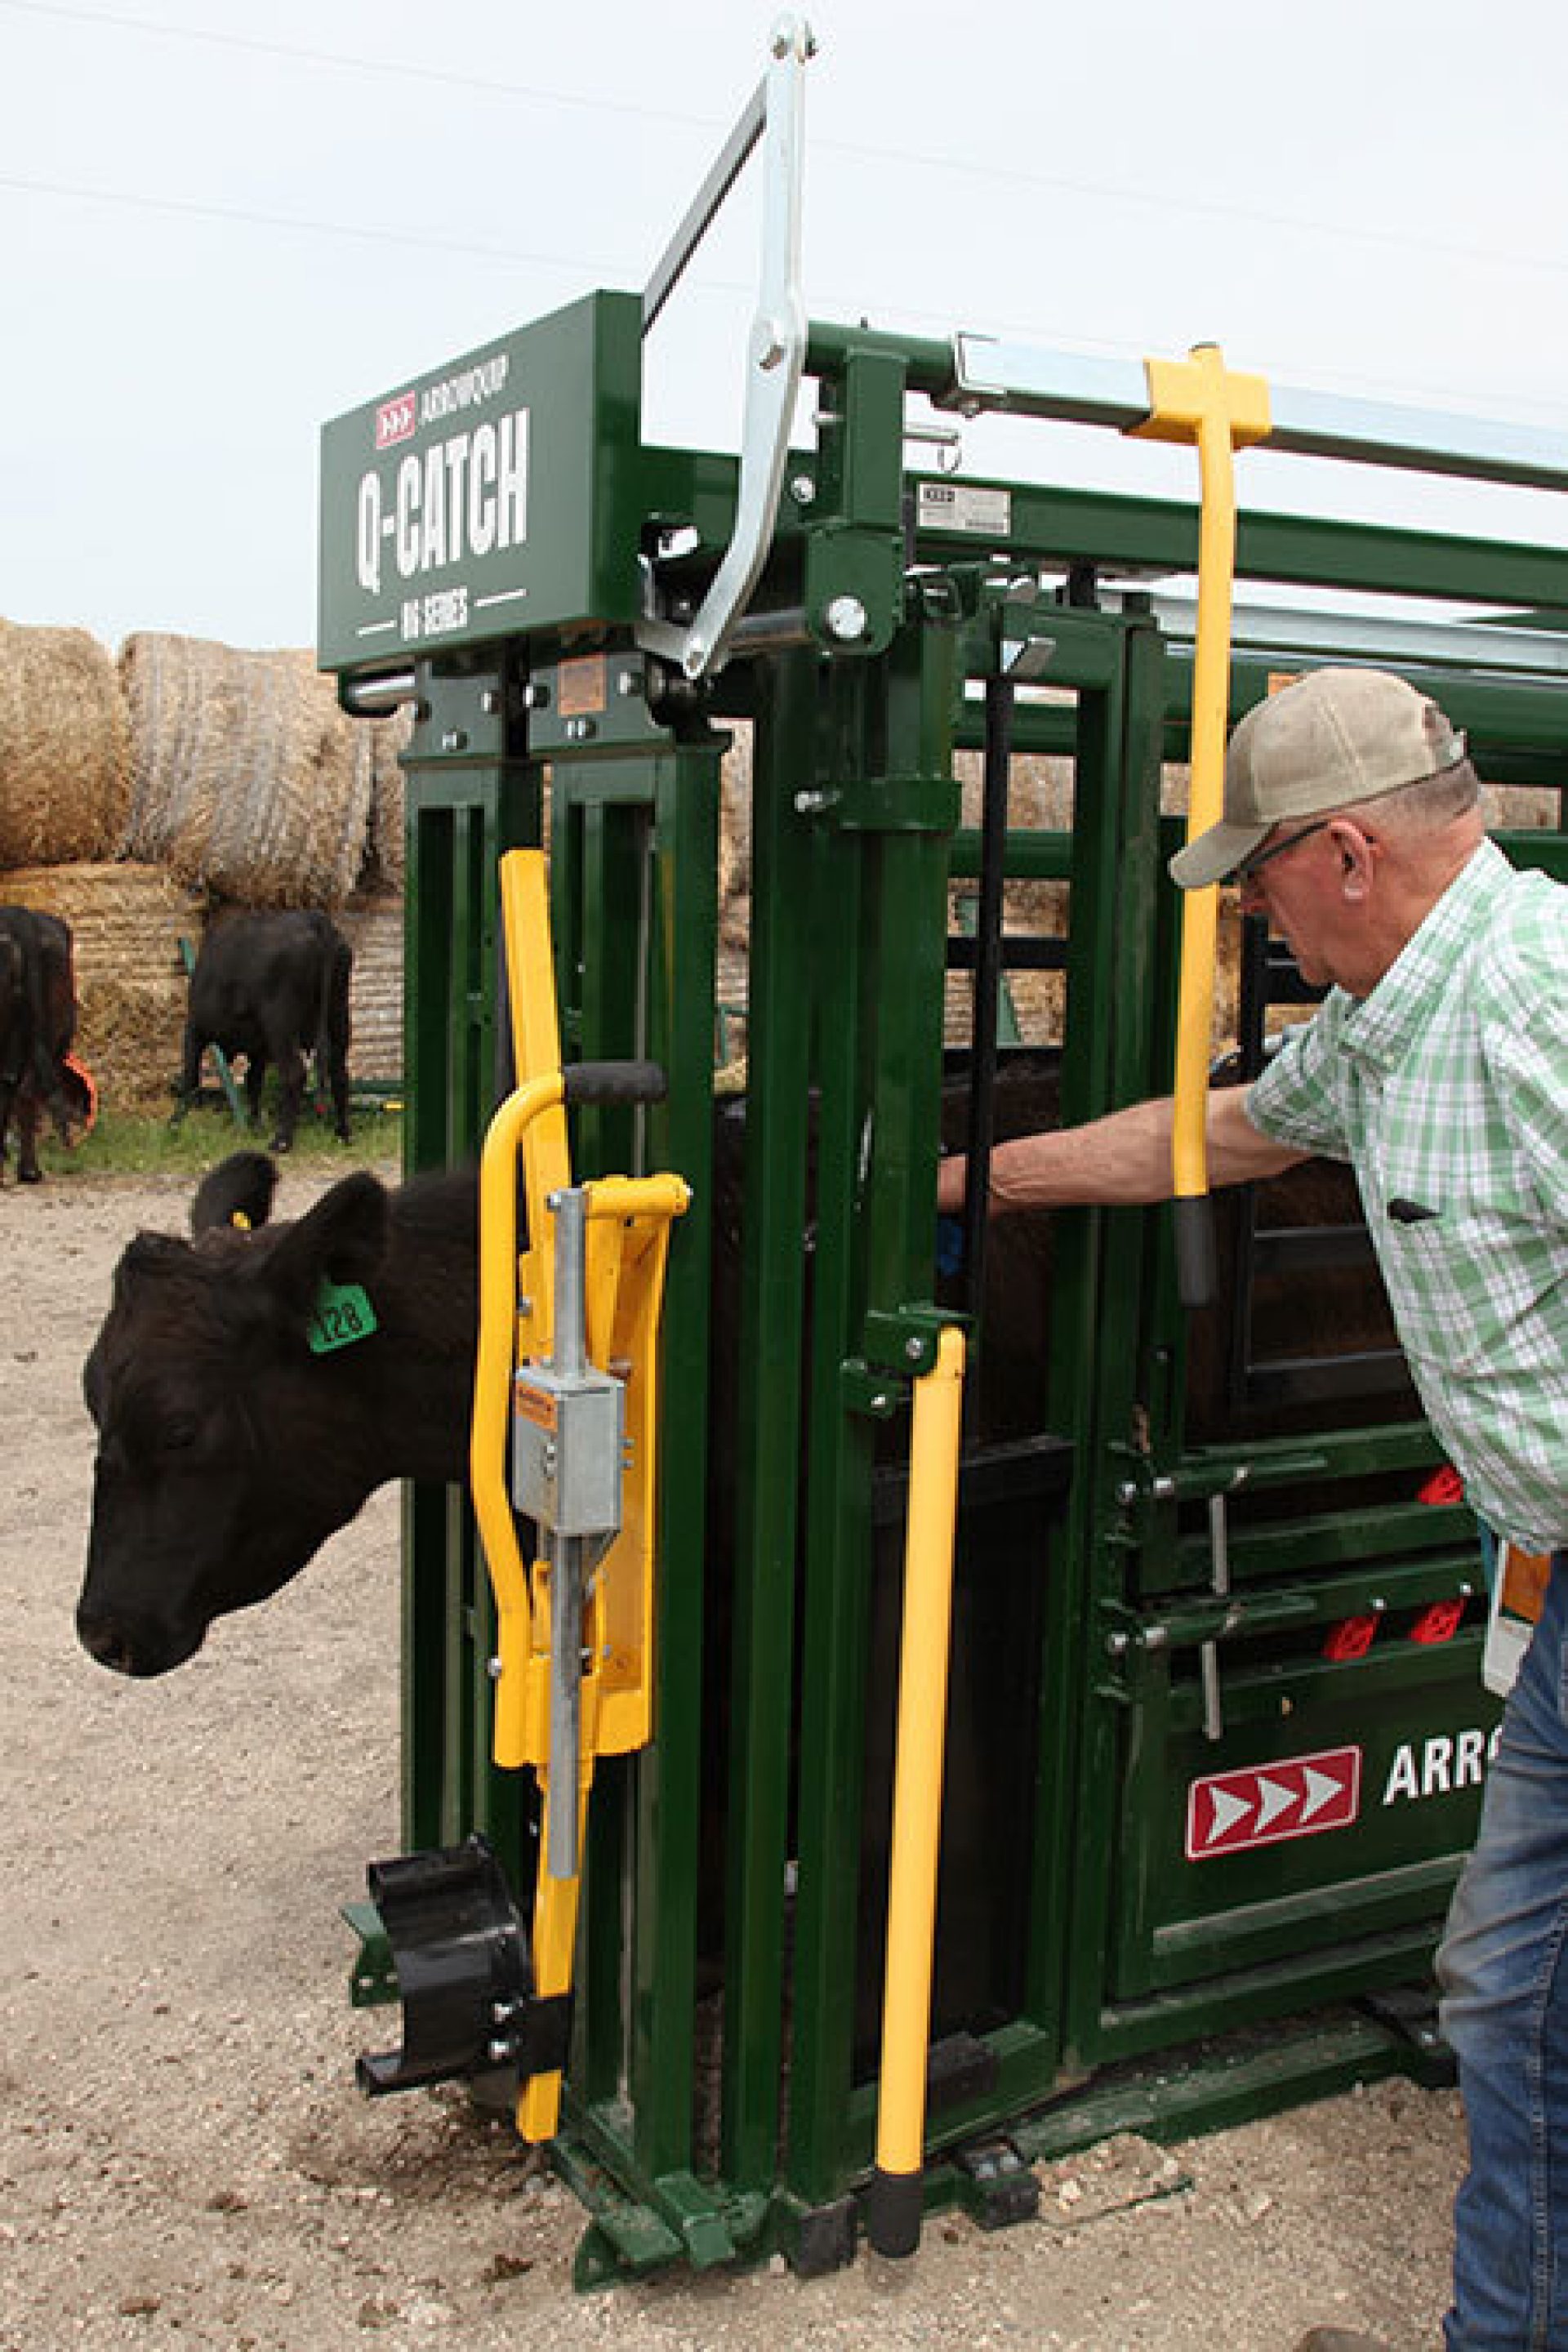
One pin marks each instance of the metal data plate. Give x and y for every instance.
(568, 1434)
(475, 502)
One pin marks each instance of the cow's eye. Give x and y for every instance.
(178, 1433)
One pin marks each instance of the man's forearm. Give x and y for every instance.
(1123, 1159)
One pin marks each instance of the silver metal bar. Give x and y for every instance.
(1316, 425)
(569, 1353)
(565, 1701)
(1219, 1580)
(993, 374)
(1494, 645)
(770, 632)
(571, 1344)
(726, 169)
(1025, 379)
(775, 358)
(374, 698)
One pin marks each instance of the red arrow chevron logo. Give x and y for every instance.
(1300, 1796)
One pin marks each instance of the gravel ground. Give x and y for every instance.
(184, 2158)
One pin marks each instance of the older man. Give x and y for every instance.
(1437, 1065)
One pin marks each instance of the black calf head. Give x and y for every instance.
(228, 1451)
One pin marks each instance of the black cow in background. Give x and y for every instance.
(38, 1027)
(273, 987)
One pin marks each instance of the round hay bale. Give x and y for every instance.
(127, 922)
(65, 747)
(249, 780)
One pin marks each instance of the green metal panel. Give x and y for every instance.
(483, 499)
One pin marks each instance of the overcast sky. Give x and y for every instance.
(225, 225)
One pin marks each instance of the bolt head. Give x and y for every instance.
(846, 619)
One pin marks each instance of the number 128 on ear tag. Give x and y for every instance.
(341, 1314)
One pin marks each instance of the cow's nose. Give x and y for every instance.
(116, 1646)
(106, 1641)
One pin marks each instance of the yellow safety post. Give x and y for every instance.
(894, 2201)
(627, 1237)
(1198, 399)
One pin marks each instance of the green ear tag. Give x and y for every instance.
(343, 1315)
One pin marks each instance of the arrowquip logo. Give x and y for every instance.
(395, 421)
(1298, 1797)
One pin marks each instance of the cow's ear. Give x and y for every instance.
(238, 1192)
(342, 1239)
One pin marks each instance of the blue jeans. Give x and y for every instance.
(1503, 1971)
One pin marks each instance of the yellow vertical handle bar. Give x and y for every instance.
(494, 1364)
(536, 1054)
(1198, 400)
(893, 2206)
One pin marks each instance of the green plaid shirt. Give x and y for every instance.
(1446, 1088)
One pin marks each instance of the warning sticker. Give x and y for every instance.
(1298, 1797)
(581, 686)
(537, 1406)
(964, 506)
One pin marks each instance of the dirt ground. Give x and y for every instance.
(184, 2159)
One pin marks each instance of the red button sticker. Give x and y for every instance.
(1298, 1797)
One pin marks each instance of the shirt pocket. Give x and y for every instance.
(1467, 1284)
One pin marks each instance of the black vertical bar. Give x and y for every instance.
(987, 985)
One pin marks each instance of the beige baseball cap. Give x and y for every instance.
(1329, 740)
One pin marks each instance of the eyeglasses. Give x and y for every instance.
(1260, 857)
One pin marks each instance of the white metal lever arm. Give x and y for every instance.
(776, 356)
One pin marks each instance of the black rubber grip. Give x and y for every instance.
(892, 2206)
(1196, 1278)
(614, 1082)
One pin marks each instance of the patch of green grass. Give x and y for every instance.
(120, 1145)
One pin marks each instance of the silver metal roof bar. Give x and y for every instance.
(1021, 379)
(1497, 646)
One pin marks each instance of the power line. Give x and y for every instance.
(1162, 201)
(190, 208)
(591, 272)
(441, 75)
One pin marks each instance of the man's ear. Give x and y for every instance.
(1357, 853)
(342, 1239)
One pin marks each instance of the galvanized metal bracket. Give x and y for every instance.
(775, 354)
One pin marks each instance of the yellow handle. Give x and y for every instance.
(1197, 400)
(492, 1392)
(917, 1794)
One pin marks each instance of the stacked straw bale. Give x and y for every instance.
(373, 930)
(127, 922)
(249, 780)
(65, 749)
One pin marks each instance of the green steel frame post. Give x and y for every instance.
(882, 853)
(762, 1543)
(470, 794)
